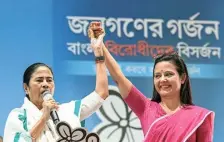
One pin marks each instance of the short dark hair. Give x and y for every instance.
(30, 70)
(185, 91)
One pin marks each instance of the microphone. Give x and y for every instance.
(54, 115)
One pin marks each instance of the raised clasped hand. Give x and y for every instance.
(96, 34)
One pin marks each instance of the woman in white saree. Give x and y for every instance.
(32, 122)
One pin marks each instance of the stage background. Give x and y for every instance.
(54, 32)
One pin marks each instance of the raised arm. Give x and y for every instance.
(123, 83)
(93, 101)
(126, 88)
(101, 79)
(101, 74)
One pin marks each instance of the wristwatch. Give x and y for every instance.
(99, 59)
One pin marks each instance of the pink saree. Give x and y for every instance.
(189, 124)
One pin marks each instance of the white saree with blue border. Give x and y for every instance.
(21, 120)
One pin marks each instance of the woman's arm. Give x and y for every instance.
(125, 86)
(93, 101)
(90, 104)
(101, 74)
(38, 128)
(123, 83)
(101, 80)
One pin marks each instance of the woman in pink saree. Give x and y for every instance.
(170, 116)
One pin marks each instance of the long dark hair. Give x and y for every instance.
(185, 91)
(29, 72)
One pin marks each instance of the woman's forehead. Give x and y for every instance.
(165, 66)
(40, 71)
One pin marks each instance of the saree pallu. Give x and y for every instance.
(180, 126)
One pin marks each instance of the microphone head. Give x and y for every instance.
(46, 95)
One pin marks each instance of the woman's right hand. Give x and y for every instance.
(38, 128)
(47, 107)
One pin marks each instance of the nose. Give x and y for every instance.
(163, 78)
(45, 84)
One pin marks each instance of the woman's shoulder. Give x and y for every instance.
(16, 115)
(17, 111)
(197, 108)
